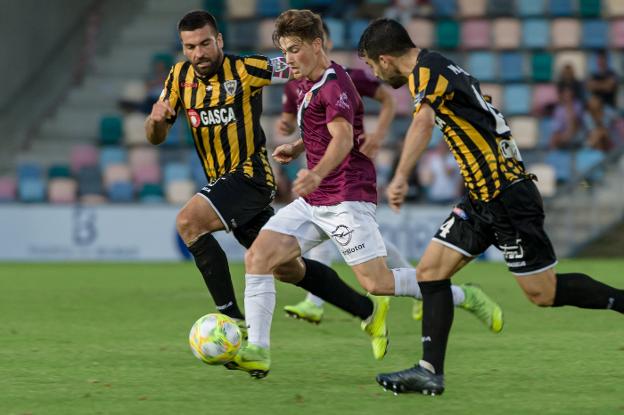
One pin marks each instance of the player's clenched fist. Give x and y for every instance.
(161, 110)
(396, 191)
(284, 153)
(306, 182)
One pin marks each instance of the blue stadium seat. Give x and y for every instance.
(356, 28)
(121, 192)
(585, 160)
(561, 7)
(444, 8)
(197, 171)
(269, 8)
(29, 170)
(242, 34)
(561, 160)
(482, 66)
(595, 34)
(535, 33)
(511, 67)
(32, 190)
(336, 32)
(500, 8)
(517, 99)
(176, 171)
(530, 8)
(90, 181)
(112, 155)
(545, 131)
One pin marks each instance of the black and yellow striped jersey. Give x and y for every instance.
(475, 131)
(223, 113)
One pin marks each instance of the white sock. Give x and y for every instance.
(318, 301)
(395, 259)
(405, 283)
(259, 306)
(458, 295)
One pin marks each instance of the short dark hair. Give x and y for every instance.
(196, 20)
(300, 23)
(384, 37)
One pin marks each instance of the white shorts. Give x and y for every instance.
(351, 225)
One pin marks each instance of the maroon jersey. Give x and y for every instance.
(365, 85)
(319, 103)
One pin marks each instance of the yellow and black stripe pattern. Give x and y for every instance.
(223, 112)
(476, 132)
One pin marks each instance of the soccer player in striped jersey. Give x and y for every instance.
(221, 97)
(502, 208)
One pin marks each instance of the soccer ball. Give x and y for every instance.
(215, 339)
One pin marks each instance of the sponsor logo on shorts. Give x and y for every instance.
(342, 234)
(460, 212)
(516, 264)
(349, 251)
(513, 252)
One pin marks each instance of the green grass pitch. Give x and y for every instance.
(112, 339)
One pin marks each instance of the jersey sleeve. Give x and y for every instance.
(432, 84)
(263, 71)
(171, 91)
(289, 98)
(338, 103)
(365, 84)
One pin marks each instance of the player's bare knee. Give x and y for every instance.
(184, 225)
(425, 272)
(257, 261)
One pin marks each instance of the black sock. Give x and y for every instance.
(325, 283)
(213, 265)
(582, 291)
(437, 320)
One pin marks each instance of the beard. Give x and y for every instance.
(210, 69)
(396, 81)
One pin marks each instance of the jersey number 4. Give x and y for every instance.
(446, 227)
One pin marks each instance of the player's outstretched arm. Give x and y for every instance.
(374, 140)
(156, 125)
(416, 142)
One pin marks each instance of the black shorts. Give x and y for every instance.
(513, 222)
(242, 204)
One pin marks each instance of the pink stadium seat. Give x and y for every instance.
(8, 189)
(506, 33)
(566, 33)
(83, 155)
(617, 33)
(495, 91)
(140, 156)
(543, 95)
(180, 191)
(421, 32)
(62, 190)
(475, 34)
(148, 173)
(472, 8)
(116, 173)
(524, 130)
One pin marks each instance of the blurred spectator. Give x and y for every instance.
(599, 120)
(568, 79)
(603, 82)
(567, 120)
(439, 175)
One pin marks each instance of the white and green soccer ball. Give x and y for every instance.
(215, 339)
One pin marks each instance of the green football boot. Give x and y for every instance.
(305, 310)
(417, 310)
(252, 359)
(375, 326)
(483, 307)
(242, 327)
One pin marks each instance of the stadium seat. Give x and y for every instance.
(561, 7)
(8, 189)
(517, 99)
(112, 155)
(595, 34)
(546, 178)
(403, 100)
(265, 34)
(545, 132)
(269, 8)
(585, 160)
(482, 66)
(176, 171)
(59, 170)
(471, 8)
(535, 33)
(495, 92)
(116, 173)
(590, 8)
(272, 100)
(134, 129)
(337, 32)
(561, 161)
(421, 31)
(29, 170)
(83, 155)
(134, 93)
(524, 130)
(141, 156)
(566, 33)
(506, 33)
(31, 190)
(356, 28)
(90, 181)
(151, 193)
(475, 34)
(179, 191)
(501, 8)
(62, 190)
(241, 8)
(110, 130)
(576, 59)
(121, 192)
(444, 8)
(617, 33)
(149, 173)
(242, 34)
(447, 34)
(615, 8)
(530, 8)
(512, 67)
(541, 66)
(544, 96)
